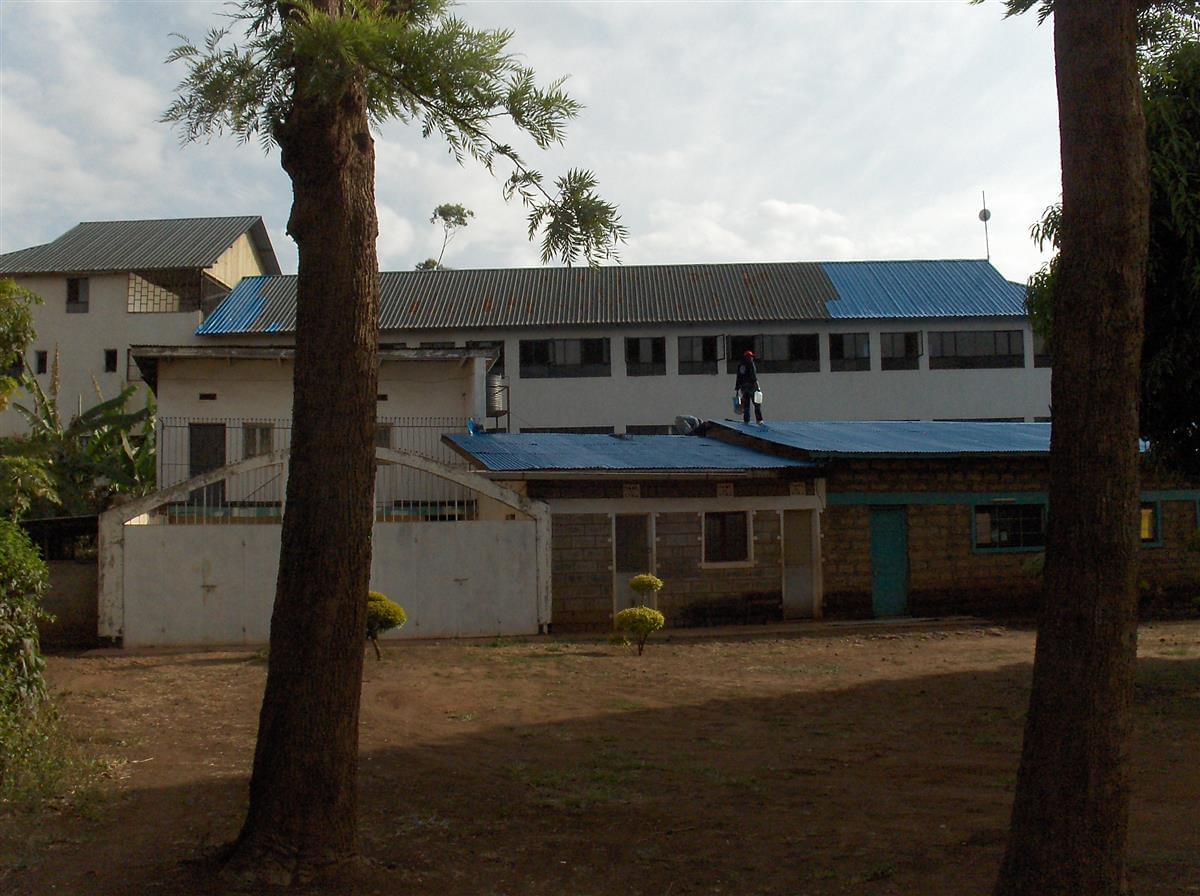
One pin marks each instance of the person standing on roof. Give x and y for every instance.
(747, 387)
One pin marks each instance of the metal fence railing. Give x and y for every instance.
(188, 447)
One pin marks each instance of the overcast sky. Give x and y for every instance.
(740, 131)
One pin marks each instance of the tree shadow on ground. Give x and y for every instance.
(892, 787)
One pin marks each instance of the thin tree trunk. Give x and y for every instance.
(1070, 813)
(302, 815)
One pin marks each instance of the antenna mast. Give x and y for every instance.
(985, 216)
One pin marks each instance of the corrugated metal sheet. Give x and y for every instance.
(661, 294)
(527, 452)
(902, 289)
(95, 246)
(899, 439)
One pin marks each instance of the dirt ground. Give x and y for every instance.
(866, 759)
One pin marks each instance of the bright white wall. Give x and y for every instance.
(619, 401)
(191, 585)
(258, 389)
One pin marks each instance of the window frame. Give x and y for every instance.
(906, 361)
(259, 428)
(839, 363)
(1001, 547)
(963, 359)
(80, 288)
(1155, 510)
(766, 348)
(546, 367)
(41, 361)
(725, 563)
(706, 366)
(639, 367)
(110, 360)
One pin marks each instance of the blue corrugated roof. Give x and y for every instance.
(899, 289)
(649, 295)
(893, 438)
(526, 452)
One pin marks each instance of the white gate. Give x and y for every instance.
(194, 564)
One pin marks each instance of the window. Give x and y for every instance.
(1001, 527)
(646, 356)
(1041, 351)
(40, 360)
(542, 358)
(791, 353)
(1148, 525)
(496, 348)
(648, 429)
(697, 354)
(899, 351)
(849, 351)
(383, 435)
(438, 345)
(77, 295)
(257, 439)
(727, 537)
(975, 349)
(110, 360)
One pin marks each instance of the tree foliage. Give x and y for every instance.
(16, 332)
(416, 63)
(452, 217)
(76, 466)
(1170, 381)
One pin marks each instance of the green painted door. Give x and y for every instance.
(889, 561)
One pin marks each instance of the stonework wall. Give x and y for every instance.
(1173, 567)
(846, 561)
(582, 577)
(581, 572)
(947, 475)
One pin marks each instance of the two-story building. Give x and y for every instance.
(627, 349)
(106, 285)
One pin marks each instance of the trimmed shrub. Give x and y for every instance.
(639, 623)
(382, 615)
(646, 585)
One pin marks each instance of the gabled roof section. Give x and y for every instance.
(698, 294)
(590, 453)
(822, 440)
(111, 246)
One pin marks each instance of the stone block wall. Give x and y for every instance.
(1173, 567)
(581, 572)
(846, 561)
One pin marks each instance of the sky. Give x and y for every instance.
(724, 131)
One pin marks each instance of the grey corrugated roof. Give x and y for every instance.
(893, 438)
(648, 294)
(98, 246)
(529, 452)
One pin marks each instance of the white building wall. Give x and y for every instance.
(619, 400)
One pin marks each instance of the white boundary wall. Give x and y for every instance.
(176, 585)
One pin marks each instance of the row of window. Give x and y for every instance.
(41, 361)
(782, 353)
(998, 527)
(1002, 527)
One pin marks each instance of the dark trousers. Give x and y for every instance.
(747, 400)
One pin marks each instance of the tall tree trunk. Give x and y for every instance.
(1070, 814)
(302, 815)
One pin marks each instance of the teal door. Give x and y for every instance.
(889, 561)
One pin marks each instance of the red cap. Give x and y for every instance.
(747, 354)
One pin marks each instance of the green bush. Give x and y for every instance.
(646, 585)
(640, 623)
(382, 615)
(23, 579)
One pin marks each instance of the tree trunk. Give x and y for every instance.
(302, 815)
(1070, 813)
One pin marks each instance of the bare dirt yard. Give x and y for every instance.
(867, 759)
